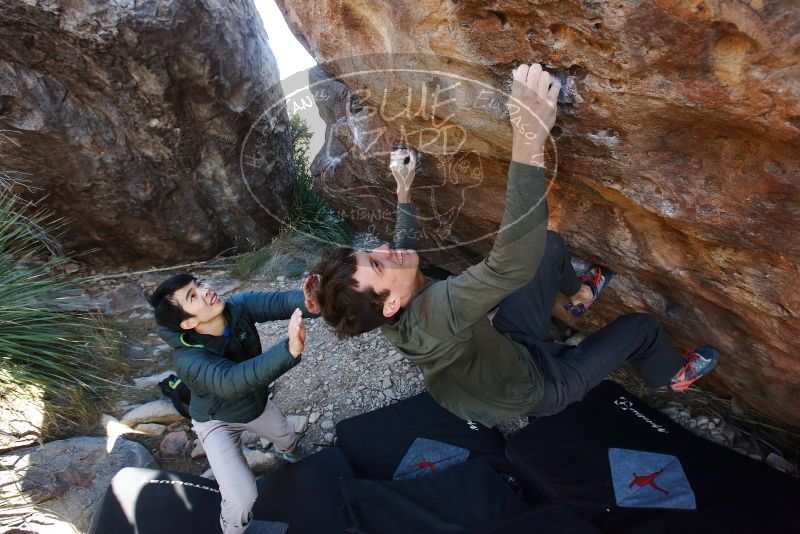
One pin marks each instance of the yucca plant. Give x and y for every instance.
(46, 344)
(310, 213)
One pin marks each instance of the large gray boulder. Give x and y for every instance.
(131, 119)
(66, 479)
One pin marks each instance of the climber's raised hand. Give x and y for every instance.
(532, 110)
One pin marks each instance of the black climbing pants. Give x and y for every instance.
(570, 372)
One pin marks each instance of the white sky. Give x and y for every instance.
(291, 58)
(290, 54)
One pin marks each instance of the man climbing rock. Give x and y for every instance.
(485, 371)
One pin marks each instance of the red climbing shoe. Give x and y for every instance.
(698, 364)
(597, 278)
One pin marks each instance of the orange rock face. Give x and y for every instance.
(678, 154)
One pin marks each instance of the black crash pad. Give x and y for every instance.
(375, 442)
(545, 518)
(447, 502)
(568, 458)
(306, 494)
(151, 501)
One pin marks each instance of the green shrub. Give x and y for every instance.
(310, 213)
(247, 264)
(46, 343)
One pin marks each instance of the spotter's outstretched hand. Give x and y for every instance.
(297, 334)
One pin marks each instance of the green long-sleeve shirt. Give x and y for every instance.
(469, 367)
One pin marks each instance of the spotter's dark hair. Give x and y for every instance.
(166, 310)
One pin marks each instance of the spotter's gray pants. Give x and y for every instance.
(223, 445)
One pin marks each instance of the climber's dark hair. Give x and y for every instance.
(348, 310)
